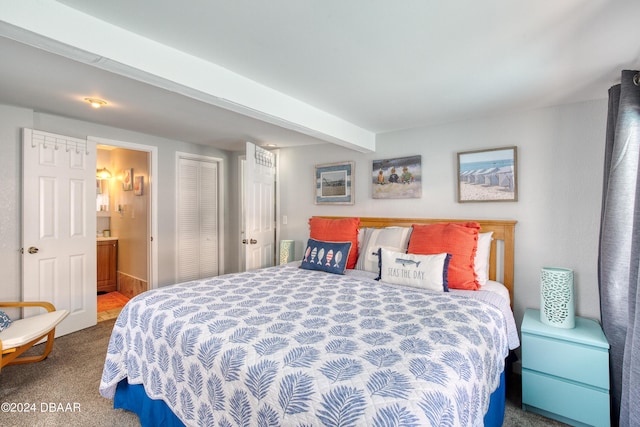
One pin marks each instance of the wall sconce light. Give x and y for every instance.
(103, 173)
(96, 102)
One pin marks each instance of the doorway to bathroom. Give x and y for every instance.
(125, 201)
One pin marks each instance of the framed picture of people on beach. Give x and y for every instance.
(399, 178)
(334, 184)
(488, 175)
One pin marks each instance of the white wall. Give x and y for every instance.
(131, 226)
(13, 119)
(560, 163)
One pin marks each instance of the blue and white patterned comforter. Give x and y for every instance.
(285, 346)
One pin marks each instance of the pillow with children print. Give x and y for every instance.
(331, 257)
(419, 271)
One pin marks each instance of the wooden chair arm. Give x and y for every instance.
(7, 351)
(46, 305)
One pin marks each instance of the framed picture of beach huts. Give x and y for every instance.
(399, 178)
(488, 175)
(334, 184)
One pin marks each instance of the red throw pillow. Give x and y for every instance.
(337, 230)
(458, 239)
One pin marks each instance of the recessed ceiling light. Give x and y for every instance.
(96, 102)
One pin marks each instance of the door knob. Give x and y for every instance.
(250, 242)
(253, 241)
(32, 250)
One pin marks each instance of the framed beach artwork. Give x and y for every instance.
(334, 184)
(488, 175)
(399, 178)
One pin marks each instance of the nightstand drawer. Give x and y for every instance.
(577, 362)
(576, 402)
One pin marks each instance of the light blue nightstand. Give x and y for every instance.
(565, 372)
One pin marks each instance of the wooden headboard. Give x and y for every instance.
(503, 230)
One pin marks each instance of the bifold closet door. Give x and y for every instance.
(197, 240)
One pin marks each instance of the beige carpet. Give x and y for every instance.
(68, 379)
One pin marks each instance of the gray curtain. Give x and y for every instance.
(619, 256)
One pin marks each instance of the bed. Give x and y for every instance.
(297, 346)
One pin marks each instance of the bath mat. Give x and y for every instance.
(111, 300)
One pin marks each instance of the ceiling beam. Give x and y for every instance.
(62, 30)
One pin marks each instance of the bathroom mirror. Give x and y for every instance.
(103, 177)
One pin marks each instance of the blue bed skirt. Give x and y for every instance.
(132, 397)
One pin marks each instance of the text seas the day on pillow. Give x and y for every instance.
(419, 271)
(405, 274)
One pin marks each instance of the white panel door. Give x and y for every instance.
(259, 202)
(59, 226)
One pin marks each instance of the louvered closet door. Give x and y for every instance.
(197, 219)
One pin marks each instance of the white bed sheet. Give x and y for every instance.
(497, 287)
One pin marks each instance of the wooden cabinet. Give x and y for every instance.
(565, 372)
(107, 264)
